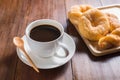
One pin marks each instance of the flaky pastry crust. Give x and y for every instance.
(91, 22)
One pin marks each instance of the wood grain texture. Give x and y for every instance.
(86, 66)
(34, 10)
(8, 29)
(15, 15)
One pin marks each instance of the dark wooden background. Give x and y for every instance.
(15, 15)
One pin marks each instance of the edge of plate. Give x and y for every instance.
(94, 51)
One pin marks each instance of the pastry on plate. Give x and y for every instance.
(95, 25)
(91, 23)
(110, 40)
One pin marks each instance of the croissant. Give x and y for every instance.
(76, 12)
(113, 38)
(113, 20)
(110, 40)
(95, 25)
(91, 23)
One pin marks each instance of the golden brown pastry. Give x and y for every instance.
(113, 20)
(91, 23)
(76, 12)
(95, 25)
(110, 40)
(113, 38)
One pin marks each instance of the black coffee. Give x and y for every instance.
(44, 33)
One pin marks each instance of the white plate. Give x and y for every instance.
(114, 9)
(52, 62)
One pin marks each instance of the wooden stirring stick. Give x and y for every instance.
(20, 44)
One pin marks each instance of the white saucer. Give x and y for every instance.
(52, 62)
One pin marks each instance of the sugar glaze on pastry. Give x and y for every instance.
(95, 25)
(91, 23)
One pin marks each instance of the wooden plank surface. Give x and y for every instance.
(17, 14)
(86, 66)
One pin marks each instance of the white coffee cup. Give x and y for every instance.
(45, 49)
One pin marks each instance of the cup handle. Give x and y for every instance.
(61, 58)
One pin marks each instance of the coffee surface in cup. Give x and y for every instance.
(44, 33)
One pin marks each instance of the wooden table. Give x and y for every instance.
(15, 15)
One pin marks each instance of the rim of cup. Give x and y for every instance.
(27, 31)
